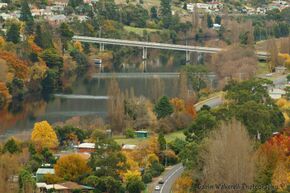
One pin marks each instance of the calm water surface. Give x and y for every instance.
(88, 97)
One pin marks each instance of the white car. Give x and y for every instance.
(157, 188)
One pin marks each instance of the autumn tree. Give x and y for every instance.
(10, 165)
(272, 160)
(273, 50)
(71, 167)
(157, 89)
(228, 158)
(183, 85)
(235, 63)
(44, 136)
(116, 109)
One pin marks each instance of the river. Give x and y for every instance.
(88, 97)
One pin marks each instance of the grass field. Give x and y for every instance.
(135, 141)
(262, 68)
(139, 31)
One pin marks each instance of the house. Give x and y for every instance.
(62, 3)
(128, 147)
(3, 5)
(66, 187)
(141, 134)
(85, 147)
(276, 93)
(43, 171)
(280, 69)
(56, 19)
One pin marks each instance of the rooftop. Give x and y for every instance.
(45, 171)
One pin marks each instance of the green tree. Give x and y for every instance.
(107, 156)
(254, 89)
(166, 13)
(209, 21)
(11, 146)
(218, 19)
(49, 83)
(66, 34)
(201, 126)
(135, 185)
(52, 58)
(153, 13)
(163, 107)
(13, 34)
(16, 88)
(26, 182)
(75, 3)
(161, 141)
(25, 13)
(38, 36)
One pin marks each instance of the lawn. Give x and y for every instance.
(135, 141)
(262, 68)
(139, 31)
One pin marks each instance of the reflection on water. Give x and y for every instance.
(88, 97)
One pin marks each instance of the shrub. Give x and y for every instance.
(130, 133)
(147, 177)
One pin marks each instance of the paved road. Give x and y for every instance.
(169, 178)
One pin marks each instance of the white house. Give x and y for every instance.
(3, 5)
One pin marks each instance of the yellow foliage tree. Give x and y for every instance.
(71, 167)
(43, 136)
(132, 174)
(178, 104)
(183, 184)
(78, 46)
(280, 175)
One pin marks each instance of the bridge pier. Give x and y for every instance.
(102, 47)
(144, 57)
(187, 57)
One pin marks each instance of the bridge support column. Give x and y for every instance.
(102, 47)
(144, 57)
(187, 57)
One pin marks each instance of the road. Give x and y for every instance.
(177, 170)
(170, 177)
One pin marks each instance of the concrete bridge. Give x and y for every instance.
(145, 45)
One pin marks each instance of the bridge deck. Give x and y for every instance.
(261, 55)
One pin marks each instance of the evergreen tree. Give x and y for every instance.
(218, 19)
(38, 36)
(11, 146)
(166, 14)
(163, 108)
(209, 21)
(153, 13)
(13, 34)
(162, 141)
(25, 13)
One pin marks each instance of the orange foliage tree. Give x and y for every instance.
(273, 156)
(71, 167)
(20, 67)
